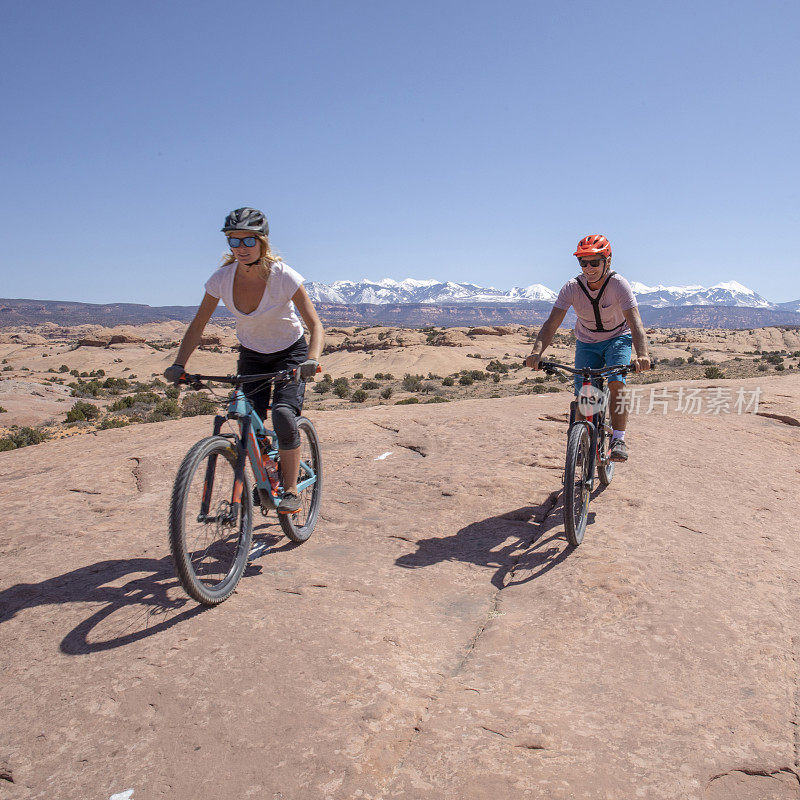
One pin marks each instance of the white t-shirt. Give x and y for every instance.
(275, 324)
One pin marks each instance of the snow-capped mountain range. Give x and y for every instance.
(433, 292)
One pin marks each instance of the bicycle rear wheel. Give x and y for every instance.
(605, 466)
(298, 527)
(210, 549)
(576, 483)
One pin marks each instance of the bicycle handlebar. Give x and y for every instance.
(236, 380)
(619, 369)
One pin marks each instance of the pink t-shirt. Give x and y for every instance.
(617, 297)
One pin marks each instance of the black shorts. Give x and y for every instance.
(286, 393)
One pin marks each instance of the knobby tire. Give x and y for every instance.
(576, 475)
(209, 557)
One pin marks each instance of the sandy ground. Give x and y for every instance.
(436, 637)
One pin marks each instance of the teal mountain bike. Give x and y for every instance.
(211, 511)
(588, 443)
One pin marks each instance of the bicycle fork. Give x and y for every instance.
(232, 517)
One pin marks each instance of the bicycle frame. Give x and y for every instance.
(251, 429)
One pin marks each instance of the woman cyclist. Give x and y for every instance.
(608, 324)
(264, 295)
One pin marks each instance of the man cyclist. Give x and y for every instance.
(608, 323)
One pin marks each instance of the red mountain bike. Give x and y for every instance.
(588, 443)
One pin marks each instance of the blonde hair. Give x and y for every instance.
(268, 258)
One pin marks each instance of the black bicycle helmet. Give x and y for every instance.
(246, 219)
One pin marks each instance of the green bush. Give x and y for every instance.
(122, 403)
(553, 389)
(408, 401)
(411, 383)
(387, 376)
(370, 385)
(22, 437)
(448, 382)
(195, 404)
(497, 366)
(3, 410)
(172, 392)
(496, 377)
(713, 373)
(358, 376)
(378, 376)
(112, 422)
(321, 387)
(466, 380)
(539, 388)
(386, 393)
(341, 389)
(7, 369)
(359, 396)
(63, 368)
(437, 398)
(82, 411)
(780, 367)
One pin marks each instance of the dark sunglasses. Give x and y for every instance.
(594, 263)
(248, 241)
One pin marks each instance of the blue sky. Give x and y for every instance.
(456, 140)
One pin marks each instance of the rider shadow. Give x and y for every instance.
(148, 602)
(520, 545)
(146, 597)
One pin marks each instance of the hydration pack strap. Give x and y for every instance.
(595, 301)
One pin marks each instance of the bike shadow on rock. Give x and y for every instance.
(140, 597)
(520, 545)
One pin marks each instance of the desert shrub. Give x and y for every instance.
(477, 374)
(7, 369)
(780, 367)
(496, 366)
(539, 388)
(122, 403)
(359, 396)
(172, 392)
(82, 411)
(358, 376)
(448, 381)
(321, 387)
(63, 368)
(341, 389)
(466, 380)
(427, 388)
(387, 376)
(112, 422)
(370, 385)
(195, 404)
(691, 360)
(327, 377)
(386, 393)
(433, 377)
(22, 437)
(3, 410)
(408, 401)
(496, 377)
(378, 376)
(678, 362)
(163, 410)
(411, 383)
(774, 359)
(553, 389)
(762, 367)
(714, 372)
(437, 398)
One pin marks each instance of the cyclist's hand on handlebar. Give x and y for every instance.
(533, 360)
(173, 373)
(308, 369)
(642, 363)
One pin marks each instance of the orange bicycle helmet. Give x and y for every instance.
(593, 245)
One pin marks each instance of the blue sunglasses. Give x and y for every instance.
(248, 241)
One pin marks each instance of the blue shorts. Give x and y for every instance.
(616, 350)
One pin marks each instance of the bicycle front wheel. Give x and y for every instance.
(209, 546)
(576, 483)
(298, 527)
(605, 466)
